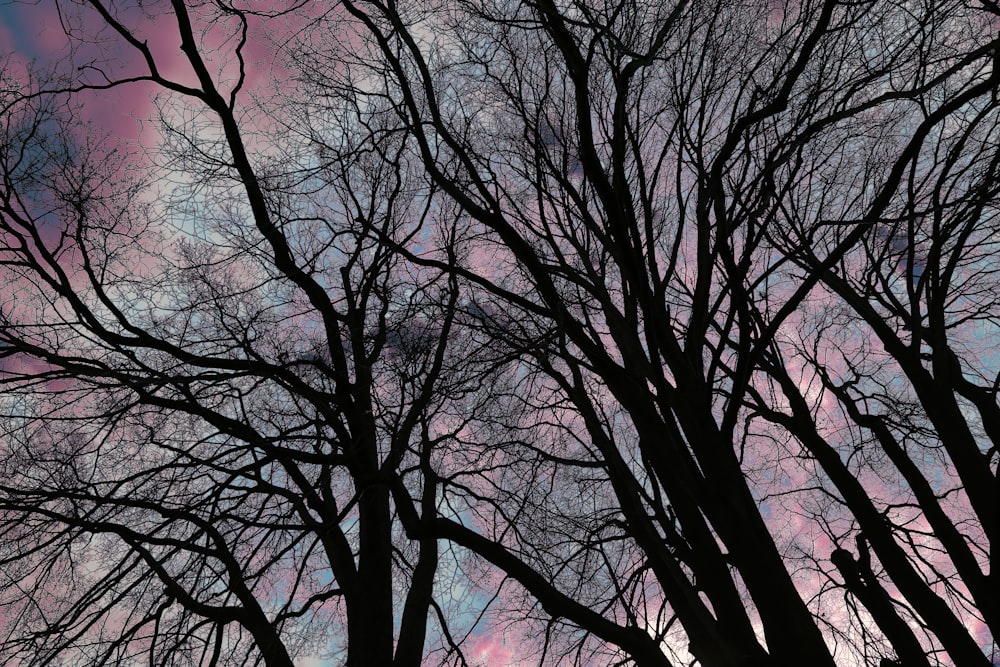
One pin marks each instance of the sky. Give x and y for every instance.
(32, 36)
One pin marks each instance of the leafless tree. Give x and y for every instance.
(215, 367)
(683, 211)
(676, 316)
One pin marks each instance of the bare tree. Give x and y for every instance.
(214, 368)
(684, 204)
(676, 316)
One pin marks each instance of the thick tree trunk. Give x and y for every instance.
(370, 619)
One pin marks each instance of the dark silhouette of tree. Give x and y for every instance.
(675, 319)
(214, 368)
(752, 184)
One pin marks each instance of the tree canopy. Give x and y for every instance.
(481, 333)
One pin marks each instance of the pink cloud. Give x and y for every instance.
(490, 650)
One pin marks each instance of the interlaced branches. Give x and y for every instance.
(639, 333)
